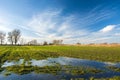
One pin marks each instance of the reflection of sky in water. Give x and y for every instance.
(64, 61)
(61, 61)
(41, 63)
(31, 76)
(6, 64)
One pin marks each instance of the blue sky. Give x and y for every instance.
(84, 21)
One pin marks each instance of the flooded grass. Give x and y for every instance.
(63, 62)
(54, 70)
(116, 69)
(61, 67)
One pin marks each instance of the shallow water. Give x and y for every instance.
(30, 76)
(61, 61)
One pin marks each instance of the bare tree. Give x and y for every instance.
(10, 38)
(57, 42)
(33, 42)
(45, 43)
(14, 36)
(2, 37)
(78, 43)
(21, 41)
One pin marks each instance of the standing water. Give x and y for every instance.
(57, 69)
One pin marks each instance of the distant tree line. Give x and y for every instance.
(54, 42)
(14, 37)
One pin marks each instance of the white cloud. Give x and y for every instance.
(4, 28)
(104, 35)
(51, 25)
(108, 28)
(117, 34)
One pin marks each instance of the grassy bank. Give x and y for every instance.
(99, 53)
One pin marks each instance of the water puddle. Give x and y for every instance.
(67, 68)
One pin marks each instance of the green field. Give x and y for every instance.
(99, 53)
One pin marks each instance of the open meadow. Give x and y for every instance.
(99, 53)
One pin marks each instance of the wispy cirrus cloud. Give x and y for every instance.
(94, 16)
(52, 24)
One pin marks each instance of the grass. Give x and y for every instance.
(116, 69)
(92, 78)
(55, 70)
(80, 70)
(99, 53)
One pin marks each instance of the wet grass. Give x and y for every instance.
(112, 78)
(55, 70)
(113, 68)
(92, 78)
(80, 70)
